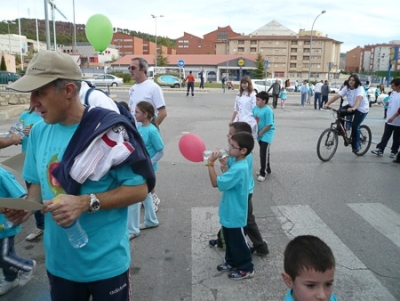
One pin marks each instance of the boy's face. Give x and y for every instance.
(235, 150)
(311, 285)
(260, 102)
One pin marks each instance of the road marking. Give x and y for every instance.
(353, 280)
(382, 218)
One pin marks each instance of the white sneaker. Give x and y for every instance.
(261, 179)
(35, 234)
(392, 155)
(6, 286)
(155, 208)
(156, 200)
(25, 277)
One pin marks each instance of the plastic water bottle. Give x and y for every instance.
(76, 235)
(18, 129)
(223, 153)
(6, 225)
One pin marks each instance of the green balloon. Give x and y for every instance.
(99, 32)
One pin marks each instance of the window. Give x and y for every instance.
(293, 43)
(253, 42)
(306, 58)
(276, 49)
(293, 57)
(269, 49)
(284, 42)
(292, 65)
(269, 43)
(241, 42)
(277, 43)
(128, 40)
(253, 49)
(293, 50)
(241, 49)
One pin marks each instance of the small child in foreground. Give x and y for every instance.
(309, 267)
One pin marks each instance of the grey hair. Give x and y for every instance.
(142, 63)
(59, 83)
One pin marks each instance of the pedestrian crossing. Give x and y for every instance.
(353, 279)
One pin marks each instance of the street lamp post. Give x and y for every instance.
(9, 35)
(155, 55)
(312, 27)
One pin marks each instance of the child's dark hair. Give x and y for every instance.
(148, 108)
(307, 252)
(244, 140)
(263, 95)
(241, 126)
(125, 104)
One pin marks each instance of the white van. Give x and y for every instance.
(167, 76)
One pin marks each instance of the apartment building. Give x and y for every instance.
(290, 54)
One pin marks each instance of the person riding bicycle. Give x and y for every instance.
(357, 105)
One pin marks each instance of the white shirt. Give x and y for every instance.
(97, 98)
(394, 105)
(317, 88)
(244, 107)
(352, 94)
(146, 91)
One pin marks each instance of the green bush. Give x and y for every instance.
(125, 76)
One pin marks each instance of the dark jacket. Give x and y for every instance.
(325, 90)
(93, 123)
(276, 88)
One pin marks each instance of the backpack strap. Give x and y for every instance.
(87, 96)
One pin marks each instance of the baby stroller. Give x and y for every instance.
(230, 85)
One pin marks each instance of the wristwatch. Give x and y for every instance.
(94, 204)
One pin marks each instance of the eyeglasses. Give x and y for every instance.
(132, 68)
(234, 147)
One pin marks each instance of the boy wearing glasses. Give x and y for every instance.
(234, 184)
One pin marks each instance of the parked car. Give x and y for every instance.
(291, 88)
(106, 80)
(7, 77)
(334, 90)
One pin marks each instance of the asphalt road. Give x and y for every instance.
(350, 202)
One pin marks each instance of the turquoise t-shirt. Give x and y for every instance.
(107, 253)
(249, 159)
(265, 116)
(152, 140)
(289, 297)
(9, 188)
(28, 119)
(234, 185)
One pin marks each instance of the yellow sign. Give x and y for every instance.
(240, 62)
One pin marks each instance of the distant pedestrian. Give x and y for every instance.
(318, 95)
(304, 92)
(276, 89)
(223, 81)
(190, 83)
(310, 93)
(325, 89)
(283, 97)
(201, 79)
(296, 86)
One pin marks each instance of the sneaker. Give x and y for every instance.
(260, 251)
(261, 179)
(356, 150)
(25, 277)
(155, 208)
(6, 286)
(35, 234)
(156, 199)
(133, 235)
(240, 275)
(392, 155)
(145, 227)
(224, 267)
(214, 242)
(377, 152)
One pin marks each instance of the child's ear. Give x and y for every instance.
(243, 151)
(287, 279)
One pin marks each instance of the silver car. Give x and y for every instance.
(106, 80)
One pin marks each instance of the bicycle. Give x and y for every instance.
(328, 141)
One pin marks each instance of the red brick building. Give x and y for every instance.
(191, 44)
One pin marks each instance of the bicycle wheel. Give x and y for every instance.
(327, 145)
(365, 140)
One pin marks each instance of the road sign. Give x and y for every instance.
(240, 62)
(181, 63)
(266, 64)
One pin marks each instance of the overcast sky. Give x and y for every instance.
(353, 22)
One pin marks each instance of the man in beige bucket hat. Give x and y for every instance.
(99, 266)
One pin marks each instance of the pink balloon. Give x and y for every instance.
(192, 147)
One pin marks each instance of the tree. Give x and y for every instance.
(3, 66)
(259, 71)
(162, 61)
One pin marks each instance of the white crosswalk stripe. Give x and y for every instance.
(381, 218)
(353, 279)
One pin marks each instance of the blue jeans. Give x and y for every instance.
(150, 217)
(355, 127)
(317, 100)
(303, 98)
